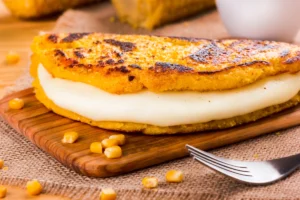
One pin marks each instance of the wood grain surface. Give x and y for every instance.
(46, 129)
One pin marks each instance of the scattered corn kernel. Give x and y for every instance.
(1, 164)
(120, 138)
(109, 143)
(96, 147)
(108, 194)
(113, 152)
(70, 137)
(34, 187)
(5, 168)
(3, 191)
(12, 58)
(278, 133)
(150, 182)
(112, 19)
(16, 104)
(174, 176)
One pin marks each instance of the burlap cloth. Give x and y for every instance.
(26, 161)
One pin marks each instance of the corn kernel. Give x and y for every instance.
(174, 176)
(112, 19)
(70, 137)
(16, 104)
(109, 143)
(96, 147)
(34, 187)
(113, 152)
(1, 164)
(150, 182)
(12, 58)
(5, 168)
(120, 138)
(3, 191)
(108, 194)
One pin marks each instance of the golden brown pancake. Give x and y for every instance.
(129, 64)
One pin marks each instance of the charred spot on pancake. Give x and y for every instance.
(103, 56)
(118, 54)
(84, 65)
(110, 62)
(165, 66)
(78, 54)
(210, 53)
(122, 69)
(293, 59)
(120, 61)
(59, 52)
(186, 38)
(284, 53)
(71, 62)
(53, 38)
(100, 63)
(135, 66)
(97, 42)
(124, 46)
(253, 63)
(130, 78)
(74, 36)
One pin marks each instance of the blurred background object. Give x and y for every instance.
(152, 13)
(39, 8)
(261, 19)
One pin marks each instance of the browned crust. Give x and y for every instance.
(164, 63)
(293, 59)
(124, 46)
(73, 37)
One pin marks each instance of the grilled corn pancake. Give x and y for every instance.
(128, 64)
(138, 83)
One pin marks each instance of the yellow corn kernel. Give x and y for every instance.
(109, 143)
(112, 19)
(1, 164)
(16, 104)
(174, 176)
(108, 194)
(70, 137)
(113, 152)
(3, 191)
(12, 58)
(34, 187)
(120, 138)
(5, 168)
(96, 147)
(150, 182)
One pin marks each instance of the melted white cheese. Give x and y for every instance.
(168, 108)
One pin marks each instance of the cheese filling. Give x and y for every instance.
(167, 108)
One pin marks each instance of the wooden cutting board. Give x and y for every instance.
(46, 129)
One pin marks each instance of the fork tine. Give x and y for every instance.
(229, 163)
(226, 172)
(243, 171)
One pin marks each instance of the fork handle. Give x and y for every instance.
(289, 163)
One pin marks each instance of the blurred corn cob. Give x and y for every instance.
(38, 8)
(151, 13)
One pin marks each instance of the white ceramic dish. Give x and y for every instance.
(261, 19)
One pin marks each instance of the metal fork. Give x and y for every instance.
(258, 173)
